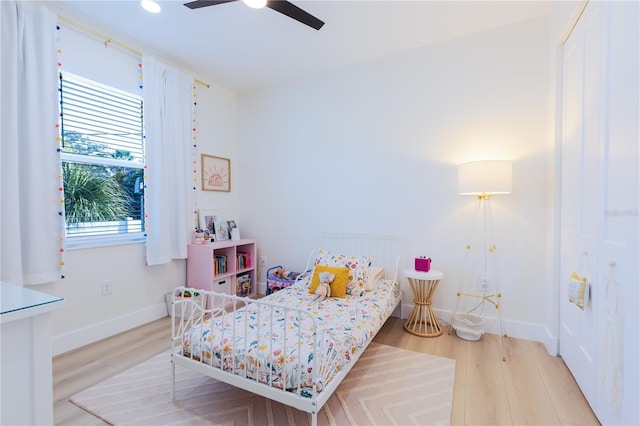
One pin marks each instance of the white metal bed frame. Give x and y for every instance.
(385, 249)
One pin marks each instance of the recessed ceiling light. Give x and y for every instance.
(151, 6)
(256, 4)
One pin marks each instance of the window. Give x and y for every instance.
(102, 162)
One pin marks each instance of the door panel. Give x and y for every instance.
(618, 372)
(600, 208)
(580, 195)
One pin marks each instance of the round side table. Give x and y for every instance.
(423, 321)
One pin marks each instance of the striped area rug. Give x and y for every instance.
(386, 386)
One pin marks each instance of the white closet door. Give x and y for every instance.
(619, 258)
(600, 205)
(580, 191)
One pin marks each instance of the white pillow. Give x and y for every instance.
(374, 273)
(358, 265)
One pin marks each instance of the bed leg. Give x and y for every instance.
(314, 418)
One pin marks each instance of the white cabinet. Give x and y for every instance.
(25, 324)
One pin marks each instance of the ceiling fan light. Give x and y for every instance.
(151, 6)
(256, 4)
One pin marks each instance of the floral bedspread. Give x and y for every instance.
(275, 344)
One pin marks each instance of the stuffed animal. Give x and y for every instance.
(285, 275)
(324, 288)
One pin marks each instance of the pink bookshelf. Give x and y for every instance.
(220, 266)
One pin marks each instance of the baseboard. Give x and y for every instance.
(521, 330)
(102, 330)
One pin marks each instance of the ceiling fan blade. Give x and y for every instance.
(291, 10)
(204, 3)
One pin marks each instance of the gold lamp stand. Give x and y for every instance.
(482, 179)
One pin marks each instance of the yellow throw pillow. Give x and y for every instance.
(339, 284)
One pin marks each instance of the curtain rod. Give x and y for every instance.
(108, 40)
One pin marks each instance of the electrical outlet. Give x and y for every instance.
(106, 287)
(483, 283)
(263, 261)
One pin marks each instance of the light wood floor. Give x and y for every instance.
(530, 388)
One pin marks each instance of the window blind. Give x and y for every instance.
(102, 158)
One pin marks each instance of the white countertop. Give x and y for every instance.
(19, 302)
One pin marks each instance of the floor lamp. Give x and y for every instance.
(483, 179)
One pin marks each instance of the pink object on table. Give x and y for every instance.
(422, 264)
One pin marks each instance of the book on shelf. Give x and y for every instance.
(243, 260)
(243, 285)
(219, 264)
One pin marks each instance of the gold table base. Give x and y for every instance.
(423, 321)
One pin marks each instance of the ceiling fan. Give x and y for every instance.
(286, 8)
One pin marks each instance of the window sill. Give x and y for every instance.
(79, 243)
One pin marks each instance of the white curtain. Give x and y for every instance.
(30, 223)
(168, 105)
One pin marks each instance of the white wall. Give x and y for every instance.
(138, 290)
(368, 148)
(374, 148)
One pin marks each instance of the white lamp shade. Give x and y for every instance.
(485, 177)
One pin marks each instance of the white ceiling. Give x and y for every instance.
(241, 48)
